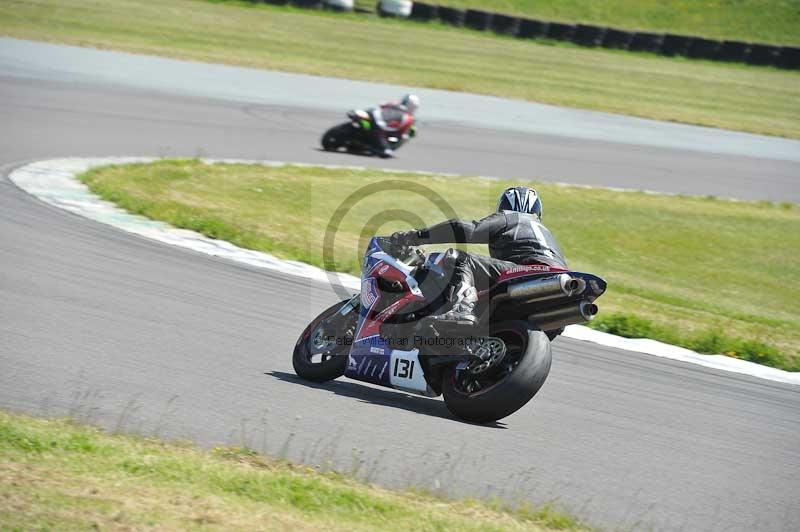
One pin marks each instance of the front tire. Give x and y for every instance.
(522, 374)
(332, 363)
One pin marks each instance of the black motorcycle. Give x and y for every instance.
(357, 135)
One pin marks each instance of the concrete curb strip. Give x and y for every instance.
(54, 182)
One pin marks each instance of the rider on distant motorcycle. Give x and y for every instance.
(393, 119)
(515, 236)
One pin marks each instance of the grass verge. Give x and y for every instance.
(760, 100)
(738, 20)
(713, 275)
(58, 475)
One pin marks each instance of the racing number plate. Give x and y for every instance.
(406, 372)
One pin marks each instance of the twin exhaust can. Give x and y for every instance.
(556, 287)
(562, 285)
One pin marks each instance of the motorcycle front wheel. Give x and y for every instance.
(337, 137)
(319, 358)
(491, 395)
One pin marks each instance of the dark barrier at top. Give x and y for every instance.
(703, 49)
(646, 42)
(505, 24)
(532, 29)
(559, 31)
(425, 12)
(451, 15)
(587, 35)
(617, 39)
(593, 36)
(308, 4)
(763, 54)
(477, 19)
(675, 44)
(790, 57)
(732, 51)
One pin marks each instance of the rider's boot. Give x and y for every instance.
(463, 310)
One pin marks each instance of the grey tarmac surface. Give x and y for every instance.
(461, 133)
(139, 336)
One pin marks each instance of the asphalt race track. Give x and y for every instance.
(136, 335)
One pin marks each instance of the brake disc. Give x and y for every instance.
(490, 352)
(320, 343)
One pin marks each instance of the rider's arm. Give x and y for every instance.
(461, 231)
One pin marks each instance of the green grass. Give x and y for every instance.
(690, 267)
(710, 341)
(760, 100)
(769, 21)
(57, 475)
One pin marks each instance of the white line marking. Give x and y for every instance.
(54, 181)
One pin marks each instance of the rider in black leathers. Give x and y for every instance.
(515, 236)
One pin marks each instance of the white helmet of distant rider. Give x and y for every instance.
(411, 102)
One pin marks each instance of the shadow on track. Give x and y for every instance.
(364, 153)
(394, 399)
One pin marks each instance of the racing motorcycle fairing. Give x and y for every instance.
(392, 348)
(485, 371)
(375, 358)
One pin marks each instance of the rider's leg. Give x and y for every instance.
(380, 144)
(487, 270)
(470, 274)
(461, 292)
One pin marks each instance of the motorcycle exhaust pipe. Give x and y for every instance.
(562, 285)
(556, 318)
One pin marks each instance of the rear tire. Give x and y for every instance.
(337, 137)
(326, 369)
(531, 350)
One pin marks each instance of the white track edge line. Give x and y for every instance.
(55, 182)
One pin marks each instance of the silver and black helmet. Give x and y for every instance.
(520, 199)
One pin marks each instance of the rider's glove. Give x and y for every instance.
(412, 132)
(401, 239)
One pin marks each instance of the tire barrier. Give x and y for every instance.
(339, 5)
(702, 48)
(532, 29)
(763, 54)
(505, 24)
(477, 19)
(587, 35)
(790, 58)
(394, 8)
(559, 31)
(451, 15)
(424, 12)
(675, 44)
(308, 4)
(646, 42)
(617, 39)
(735, 51)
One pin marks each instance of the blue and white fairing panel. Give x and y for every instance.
(372, 358)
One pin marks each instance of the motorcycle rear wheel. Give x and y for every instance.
(337, 137)
(483, 399)
(331, 364)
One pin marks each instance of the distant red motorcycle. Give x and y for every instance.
(356, 135)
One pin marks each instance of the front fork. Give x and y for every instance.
(334, 330)
(339, 319)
